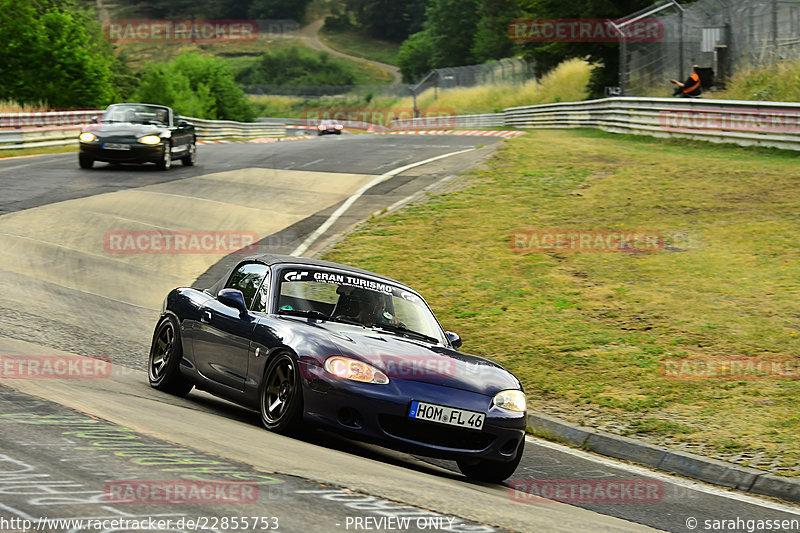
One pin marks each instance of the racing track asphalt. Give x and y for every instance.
(62, 290)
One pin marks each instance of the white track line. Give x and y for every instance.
(666, 478)
(303, 248)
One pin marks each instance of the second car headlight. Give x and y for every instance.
(355, 370)
(513, 400)
(87, 137)
(150, 139)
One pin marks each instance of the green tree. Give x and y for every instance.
(414, 56)
(451, 26)
(53, 54)
(491, 38)
(393, 20)
(278, 9)
(445, 41)
(195, 85)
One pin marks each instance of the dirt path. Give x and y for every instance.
(310, 36)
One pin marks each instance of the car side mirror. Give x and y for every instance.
(183, 124)
(233, 298)
(454, 339)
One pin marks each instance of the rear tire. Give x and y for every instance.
(85, 161)
(281, 402)
(166, 353)
(491, 471)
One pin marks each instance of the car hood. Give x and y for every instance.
(126, 128)
(404, 358)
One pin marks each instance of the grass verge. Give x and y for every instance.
(589, 334)
(4, 154)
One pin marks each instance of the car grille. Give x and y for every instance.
(435, 434)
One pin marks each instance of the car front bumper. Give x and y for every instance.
(380, 414)
(136, 153)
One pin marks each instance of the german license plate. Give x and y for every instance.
(446, 415)
(116, 146)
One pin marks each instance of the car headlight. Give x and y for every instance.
(513, 400)
(352, 369)
(87, 137)
(339, 126)
(150, 139)
(320, 127)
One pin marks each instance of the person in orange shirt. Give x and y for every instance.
(691, 87)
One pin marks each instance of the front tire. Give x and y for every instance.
(491, 471)
(282, 396)
(166, 158)
(166, 352)
(85, 161)
(191, 159)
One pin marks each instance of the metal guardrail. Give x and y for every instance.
(51, 118)
(222, 129)
(773, 124)
(38, 130)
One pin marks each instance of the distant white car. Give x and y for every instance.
(329, 127)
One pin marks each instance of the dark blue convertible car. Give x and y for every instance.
(313, 343)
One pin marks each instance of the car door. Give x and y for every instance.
(182, 135)
(221, 339)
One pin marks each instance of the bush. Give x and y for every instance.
(197, 86)
(297, 66)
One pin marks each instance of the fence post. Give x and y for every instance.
(681, 77)
(774, 30)
(623, 64)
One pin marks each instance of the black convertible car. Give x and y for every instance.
(138, 133)
(313, 343)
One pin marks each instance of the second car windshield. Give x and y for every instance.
(345, 297)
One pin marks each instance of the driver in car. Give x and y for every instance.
(364, 306)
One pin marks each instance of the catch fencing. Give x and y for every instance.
(726, 35)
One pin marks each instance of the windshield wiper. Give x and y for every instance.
(304, 312)
(405, 331)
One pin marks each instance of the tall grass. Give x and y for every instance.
(775, 83)
(10, 106)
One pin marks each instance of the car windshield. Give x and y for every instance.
(349, 298)
(137, 114)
